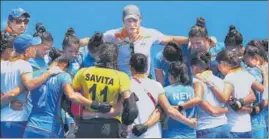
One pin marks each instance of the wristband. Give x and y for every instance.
(179, 108)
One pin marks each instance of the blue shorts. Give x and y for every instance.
(259, 132)
(12, 129)
(222, 131)
(32, 132)
(241, 134)
(178, 134)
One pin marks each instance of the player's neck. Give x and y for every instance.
(140, 75)
(4, 57)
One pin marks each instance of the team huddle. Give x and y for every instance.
(102, 86)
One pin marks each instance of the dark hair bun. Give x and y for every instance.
(70, 32)
(200, 22)
(40, 28)
(205, 57)
(232, 27)
(265, 44)
(140, 61)
(54, 53)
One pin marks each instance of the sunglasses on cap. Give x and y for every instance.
(19, 21)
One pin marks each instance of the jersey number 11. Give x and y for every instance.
(103, 92)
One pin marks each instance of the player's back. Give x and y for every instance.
(102, 84)
(46, 105)
(178, 94)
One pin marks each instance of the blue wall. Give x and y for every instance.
(174, 18)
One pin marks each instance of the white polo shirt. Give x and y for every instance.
(241, 81)
(10, 79)
(148, 37)
(146, 106)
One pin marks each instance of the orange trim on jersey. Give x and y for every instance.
(123, 34)
(235, 70)
(9, 30)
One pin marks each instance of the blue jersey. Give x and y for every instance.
(243, 65)
(46, 100)
(87, 58)
(213, 52)
(88, 61)
(36, 74)
(162, 64)
(66, 118)
(187, 52)
(39, 66)
(178, 94)
(38, 63)
(74, 65)
(258, 121)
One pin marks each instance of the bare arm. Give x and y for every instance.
(250, 97)
(261, 87)
(220, 94)
(213, 110)
(154, 117)
(125, 94)
(183, 40)
(159, 76)
(228, 90)
(245, 109)
(174, 113)
(31, 83)
(84, 41)
(75, 97)
(178, 39)
(8, 97)
(199, 91)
